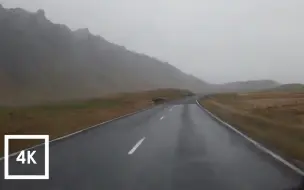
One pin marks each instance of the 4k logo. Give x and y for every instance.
(26, 156)
(22, 157)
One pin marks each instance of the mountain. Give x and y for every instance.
(43, 61)
(245, 86)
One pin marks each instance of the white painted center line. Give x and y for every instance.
(162, 118)
(136, 146)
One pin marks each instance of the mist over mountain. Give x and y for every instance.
(42, 61)
(45, 61)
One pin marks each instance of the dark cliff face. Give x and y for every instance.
(46, 61)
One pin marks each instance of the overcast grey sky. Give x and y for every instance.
(216, 40)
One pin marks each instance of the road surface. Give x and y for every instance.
(170, 147)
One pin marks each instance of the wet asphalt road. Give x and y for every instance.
(172, 147)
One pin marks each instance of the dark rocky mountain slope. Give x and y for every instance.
(41, 61)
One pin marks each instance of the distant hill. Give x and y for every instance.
(245, 86)
(294, 87)
(43, 61)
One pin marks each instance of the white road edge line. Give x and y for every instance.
(80, 131)
(136, 146)
(162, 118)
(258, 145)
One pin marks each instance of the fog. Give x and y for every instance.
(215, 40)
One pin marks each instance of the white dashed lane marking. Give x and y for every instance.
(136, 146)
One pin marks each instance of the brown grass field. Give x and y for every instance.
(62, 118)
(275, 119)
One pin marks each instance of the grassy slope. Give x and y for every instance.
(275, 119)
(62, 118)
